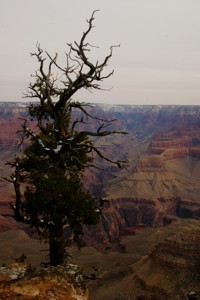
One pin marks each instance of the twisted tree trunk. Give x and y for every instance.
(56, 245)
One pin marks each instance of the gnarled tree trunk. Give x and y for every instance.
(56, 245)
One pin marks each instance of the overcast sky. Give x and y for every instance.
(158, 61)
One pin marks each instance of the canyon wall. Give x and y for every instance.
(127, 216)
(161, 180)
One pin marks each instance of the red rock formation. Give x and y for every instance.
(171, 143)
(150, 164)
(175, 153)
(157, 151)
(109, 227)
(7, 224)
(125, 215)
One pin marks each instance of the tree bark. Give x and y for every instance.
(56, 245)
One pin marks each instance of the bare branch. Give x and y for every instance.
(101, 133)
(116, 162)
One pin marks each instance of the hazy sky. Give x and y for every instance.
(158, 61)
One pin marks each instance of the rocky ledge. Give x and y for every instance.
(19, 281)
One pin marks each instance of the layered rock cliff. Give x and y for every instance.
(178, 251)
(172, 264)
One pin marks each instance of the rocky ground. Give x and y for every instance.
(21, 281)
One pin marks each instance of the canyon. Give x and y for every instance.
(156, 193)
